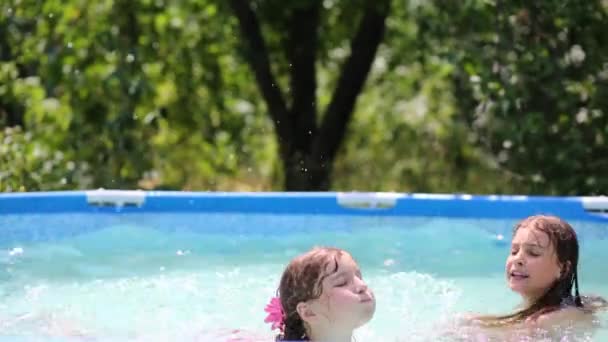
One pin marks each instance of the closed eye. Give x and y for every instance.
(341, 281)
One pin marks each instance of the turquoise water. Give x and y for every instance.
(207, 277)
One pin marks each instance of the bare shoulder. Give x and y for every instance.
(566, 316)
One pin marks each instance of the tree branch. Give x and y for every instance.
(257, 57)
(301, 53)
(352, 78)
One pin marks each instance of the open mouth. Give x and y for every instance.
(518, 275)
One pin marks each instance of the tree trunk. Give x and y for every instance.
(304, 173)
(308, 149)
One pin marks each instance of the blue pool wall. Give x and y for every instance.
(311, 203)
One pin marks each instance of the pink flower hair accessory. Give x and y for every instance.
(275, 314)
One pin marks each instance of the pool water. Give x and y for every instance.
(199, 277)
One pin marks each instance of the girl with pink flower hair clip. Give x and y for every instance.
(321, 297)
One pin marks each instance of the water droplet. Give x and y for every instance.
(309, 132)
(499, 240)
(15, 251)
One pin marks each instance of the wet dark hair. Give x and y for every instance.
(564, 240)
(302, 281)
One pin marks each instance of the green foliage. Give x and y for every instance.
(29, 165)
(145, 93)
(464, 96)
(531, 80)
(406, 136)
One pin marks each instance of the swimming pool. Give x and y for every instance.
(198, 266)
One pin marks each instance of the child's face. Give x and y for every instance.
(346, 302)
(532, 266)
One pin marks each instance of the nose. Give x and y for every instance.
(361, 286)
(518, 259)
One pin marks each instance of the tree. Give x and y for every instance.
(531, 81)
(122, 91)
(471, 96)
(308, 145)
